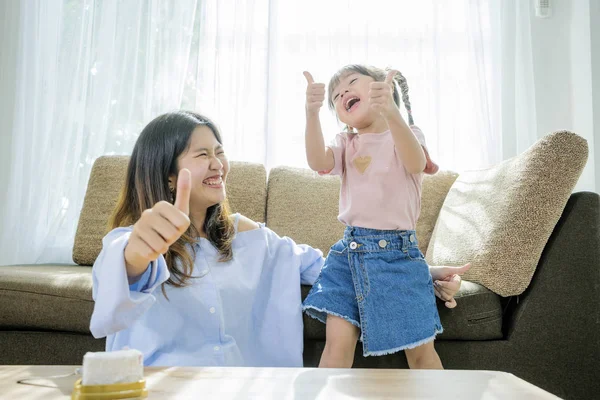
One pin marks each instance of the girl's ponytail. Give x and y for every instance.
(404, 90)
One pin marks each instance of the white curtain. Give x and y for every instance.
(252, 55)
(91, 73)
(516, 75)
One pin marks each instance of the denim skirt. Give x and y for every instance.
(378, 281)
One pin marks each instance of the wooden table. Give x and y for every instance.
(285, 384)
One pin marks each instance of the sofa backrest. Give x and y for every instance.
(298, 203)
(304, 206)
(246, 191)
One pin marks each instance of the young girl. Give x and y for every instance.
(185, 282)
(375, 281)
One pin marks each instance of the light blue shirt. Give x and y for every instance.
(245, 312)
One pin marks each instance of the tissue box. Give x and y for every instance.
(105, 368)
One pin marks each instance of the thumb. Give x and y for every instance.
(450, 303)
(184, 188)
(390, 76)
(309, 77)
(463, 269)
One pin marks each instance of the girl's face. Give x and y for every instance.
(351, 100)
(206, 160)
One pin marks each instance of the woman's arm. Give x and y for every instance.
(117, 303)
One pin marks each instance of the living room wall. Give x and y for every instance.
(594, 17)
(565, 76)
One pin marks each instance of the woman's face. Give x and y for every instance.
(206, 160)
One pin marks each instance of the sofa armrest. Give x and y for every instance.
(557, 319)
(566, 285)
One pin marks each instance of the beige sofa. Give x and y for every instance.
(547, 335)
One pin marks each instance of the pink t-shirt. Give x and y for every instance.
(377, 192)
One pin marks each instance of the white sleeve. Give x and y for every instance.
(117, 303)
(286, 252)
(311, 262)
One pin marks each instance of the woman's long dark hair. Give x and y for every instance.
(153, 161)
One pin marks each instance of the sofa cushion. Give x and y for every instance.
(104, 186)
(304, 206)
(246, 191)
(478, 316)
(500, 218)
(46, 348)
(435, 190)
(59, 298)
(46, 297)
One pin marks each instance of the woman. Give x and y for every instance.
(230, 286)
